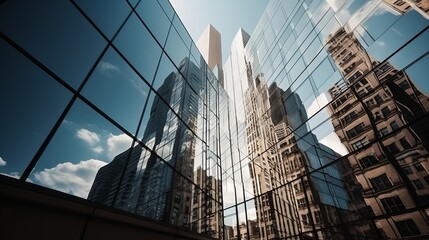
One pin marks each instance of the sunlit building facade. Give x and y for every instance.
(298, 85)
(290, 197)
(210, 46)
(206, 216)
(378, 102)
(315, 127)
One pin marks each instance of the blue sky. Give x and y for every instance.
(225, 15)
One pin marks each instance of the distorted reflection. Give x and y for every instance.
(316, 127)
(379, 115)
(336, 132)
(83, 144)
(317, 196)
(160, 179)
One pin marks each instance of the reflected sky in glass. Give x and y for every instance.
(107, 15)
(153, 16)
(167, 92)
(137, 44)
(117, 90)
(25, 123)
(84, 143)
(57, 32)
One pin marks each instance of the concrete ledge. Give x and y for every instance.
(28, 211)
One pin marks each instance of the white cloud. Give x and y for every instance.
(228, 192)
(98, 149)
(363, 13)
(2, 162)
(336, 4)
(71, 178)
(117, 144)
(106, 67)
(369, 9)
(317, 104)
(139, 85)
(334, 142)
(380, 43)
(251, 214)
(91, 138)
(385, 8)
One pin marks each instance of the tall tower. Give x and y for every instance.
(137, 180)
(373, 115)
(209, 44)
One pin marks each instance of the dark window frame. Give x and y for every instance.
(393, 204)
(407, 228)
(380, 183)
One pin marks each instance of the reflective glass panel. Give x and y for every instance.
(30, 102)
(59, 36)
(84, 143)
(153, 16)
(107, 15)
(117, 90)
(138, 46)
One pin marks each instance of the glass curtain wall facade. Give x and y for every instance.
(331, 98)
(320, 130)
(112, 102)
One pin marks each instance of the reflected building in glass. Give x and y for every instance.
(107, 187)
(134, 102)
(402, 6)
(374, 115)
(298, 85)
(265, 169)
(315, 127)
(210, 46)
(144, 184)
(206, 214)
(292, 193)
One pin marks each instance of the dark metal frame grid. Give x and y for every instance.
(76, 94)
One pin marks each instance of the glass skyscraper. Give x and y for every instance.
(331, 99)
(113, 124)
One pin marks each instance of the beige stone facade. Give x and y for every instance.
(375, 113)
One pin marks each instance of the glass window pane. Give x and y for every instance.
(183, 202)
(83, 144)
(228, 191)
(160, 121)
(30, 103)
(155, 18)
(117, 90)
(197, 58)
(180, 28)
(398, 34)
(411, 52)
(168, 9)
(417, 73)
(59, 36)
(135, 42)
(107, 15)
(133, 2)
(155, 190)
(116, 183)
(177, 50)
(165, 74)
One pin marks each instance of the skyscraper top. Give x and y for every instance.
(209, 44)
